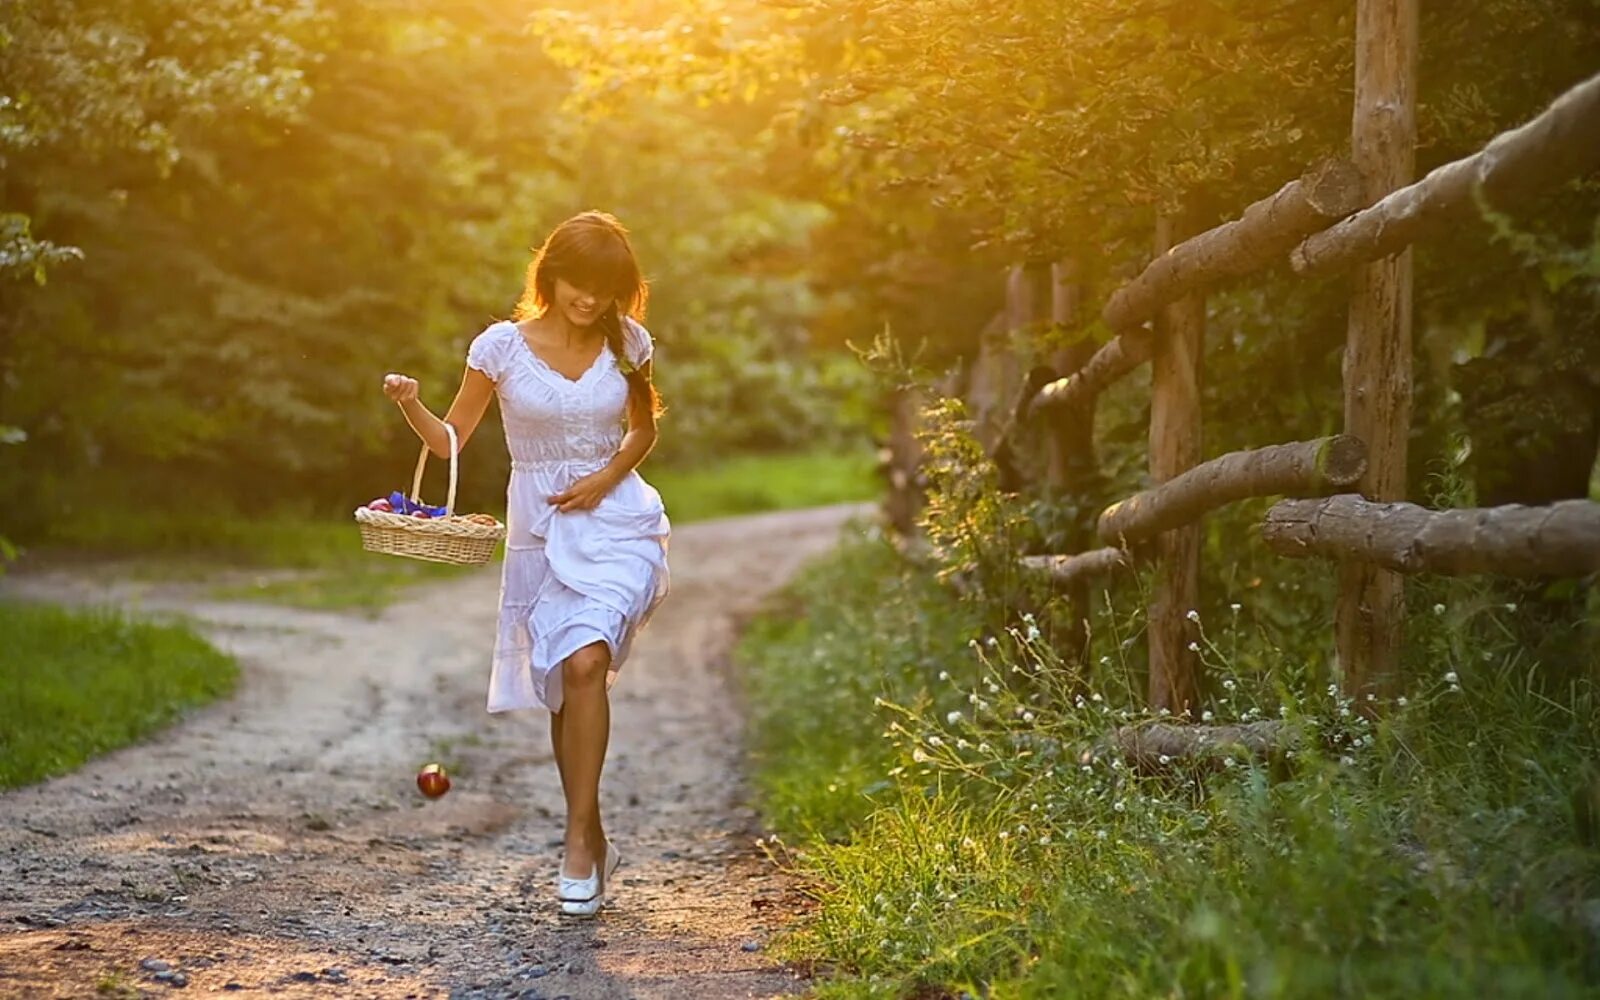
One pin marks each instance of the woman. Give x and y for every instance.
(586, 539)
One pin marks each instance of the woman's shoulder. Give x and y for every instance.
(491, 347)
(637, 340)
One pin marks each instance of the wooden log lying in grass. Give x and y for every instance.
(1268, 228)
(1561, 143)
(1327, 192)
(1163, 747)
(1562, 539)
(1298, 469)
(1065, 571)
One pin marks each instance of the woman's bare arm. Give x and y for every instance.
(465, 413)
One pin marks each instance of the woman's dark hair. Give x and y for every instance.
(591, 251)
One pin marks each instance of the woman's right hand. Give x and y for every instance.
(400, 388)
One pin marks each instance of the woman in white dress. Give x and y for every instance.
(586, 541)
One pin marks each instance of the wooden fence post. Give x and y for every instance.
(1377, 360)
(1073, 467)
(1174, 449)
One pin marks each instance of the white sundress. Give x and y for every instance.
(572, 578)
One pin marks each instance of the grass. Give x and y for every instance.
(750, 484)
(921, 767)
(297, 560)
(80, 683)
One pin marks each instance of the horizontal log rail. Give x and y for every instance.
(1266, 229)
(1272, 226)
(1114, 359)
(1562, 143)
(1562, 539)
(1064, 571)
(1298, 469)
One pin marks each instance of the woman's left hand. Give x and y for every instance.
(586, 493)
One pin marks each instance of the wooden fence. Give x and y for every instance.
(1358, 216)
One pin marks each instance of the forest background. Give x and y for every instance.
(222, 224)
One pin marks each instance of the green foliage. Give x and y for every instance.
(81, 683)
(752, 483)
(956, 840)
(250, 213)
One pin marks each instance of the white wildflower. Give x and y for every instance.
(1027, 716)
(1451, 678)
(1194, 647)
(952, 717)
(1206, 716)
(1438, 609)
(1193, 615)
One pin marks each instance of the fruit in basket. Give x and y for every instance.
(486, 520)
(432, 780)
(382, 503)
(421, 513)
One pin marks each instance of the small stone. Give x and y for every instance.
(751, 946)
(536, 972)
(155, 965)
(304, 977)
(233, 986)
(165, 976)
(179, 980)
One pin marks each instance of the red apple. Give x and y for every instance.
(420, 513)
(432, 780)
(382, 503)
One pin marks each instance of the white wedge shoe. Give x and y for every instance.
(581, 897)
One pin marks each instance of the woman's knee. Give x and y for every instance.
(588, 666)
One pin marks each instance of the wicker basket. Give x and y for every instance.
(448, 539)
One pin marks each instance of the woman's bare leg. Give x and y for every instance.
(583, 733)
(555, 748)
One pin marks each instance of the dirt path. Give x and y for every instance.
(276, 843)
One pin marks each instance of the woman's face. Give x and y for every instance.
(580, 307)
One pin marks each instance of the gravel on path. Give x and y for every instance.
(275, 843)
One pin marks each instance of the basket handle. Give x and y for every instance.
(422, 463)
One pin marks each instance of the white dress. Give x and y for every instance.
(569, 578)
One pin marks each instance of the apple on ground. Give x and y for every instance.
(432, 780)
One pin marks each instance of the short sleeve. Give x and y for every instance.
(638, 344)
(487, 351)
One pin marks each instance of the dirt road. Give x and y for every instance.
(276, 844)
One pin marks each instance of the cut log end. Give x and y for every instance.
(1333, 188)
(1343, 460)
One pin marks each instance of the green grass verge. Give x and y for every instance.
(928, 786)
(74, 684)
(304, 562)
(751, 484)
